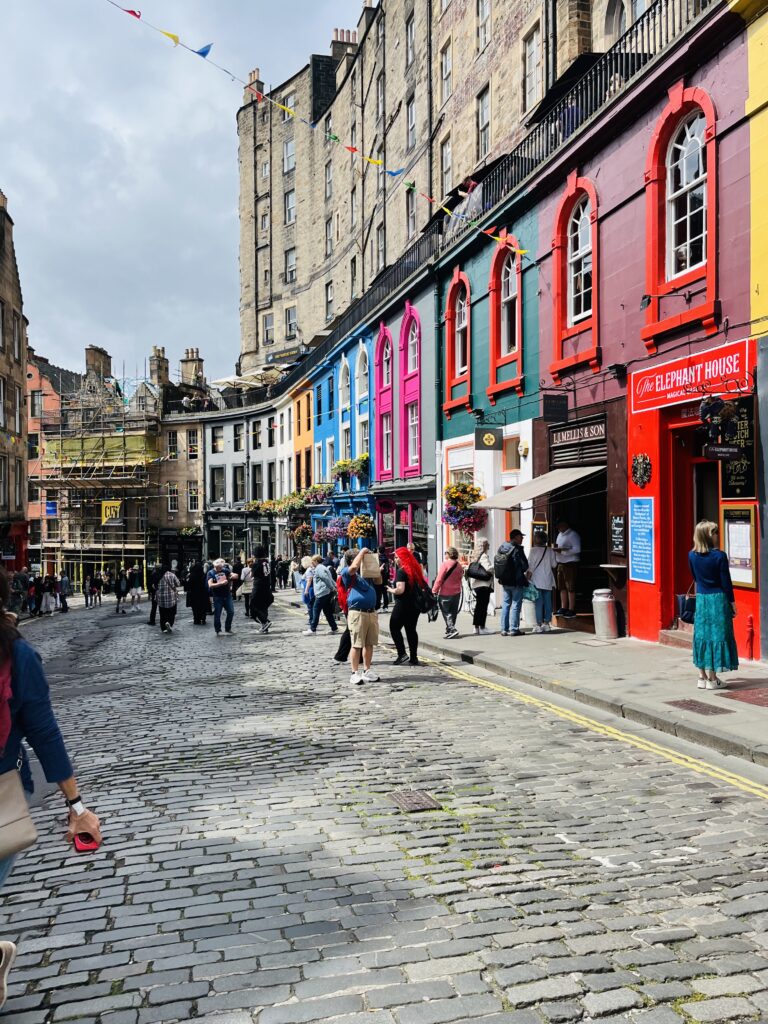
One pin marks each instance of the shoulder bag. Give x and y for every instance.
(686, 604)
(17, 830)
(476, 571)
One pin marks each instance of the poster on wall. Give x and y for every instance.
(737, 476)
(642, 565)
(739, 541)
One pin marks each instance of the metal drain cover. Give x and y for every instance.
(699, 707)
(410, 800)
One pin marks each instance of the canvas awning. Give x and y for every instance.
(535, 488)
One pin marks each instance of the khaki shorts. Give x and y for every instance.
(363, 628)
(566, 576)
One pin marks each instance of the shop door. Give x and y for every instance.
(695, 486)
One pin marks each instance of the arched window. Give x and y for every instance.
(687, 197)
(386, 363)
(505, 319)
(361, 377)
(458, 345)
(344, 389)
(384, 463)
(576, 281)
(410, 393)
(681, 213)
(579, 263)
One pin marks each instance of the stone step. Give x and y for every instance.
(676, 638)
(583, 623)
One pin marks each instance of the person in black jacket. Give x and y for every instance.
(261, 596)
(155, 576)
(511, 567)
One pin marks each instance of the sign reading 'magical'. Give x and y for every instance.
(723, 371)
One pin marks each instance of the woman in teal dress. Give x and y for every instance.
(714, 645)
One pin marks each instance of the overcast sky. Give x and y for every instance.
(118, 155)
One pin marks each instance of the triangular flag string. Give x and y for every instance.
(261, 97)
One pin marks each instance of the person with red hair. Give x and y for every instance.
(405, 614)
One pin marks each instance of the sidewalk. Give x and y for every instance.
(630, 678)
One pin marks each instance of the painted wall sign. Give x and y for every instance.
(642, 566)
(111, 513)
(619, 535)
(738, 479)
(722, 371)
(577, 432)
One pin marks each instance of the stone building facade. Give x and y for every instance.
(13, 419)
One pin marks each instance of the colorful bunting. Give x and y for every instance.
(204, 51)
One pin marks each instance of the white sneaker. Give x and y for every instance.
(169, 628)
(370, 676)
(702, 683)
(7, 956)
(546, 628)
(452, 634)
(477, 631)
(537, 629)
(309, 632)
(485, 632)
(357, 679)
(715, 684)
(504, 632)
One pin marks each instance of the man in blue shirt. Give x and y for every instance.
(362, 620)
(220, 587)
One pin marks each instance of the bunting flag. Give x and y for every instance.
(204, 52)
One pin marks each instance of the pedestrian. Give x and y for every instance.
(220, 586)
(63, 590)
(447, 588)
(510, 567)
(262, 596)
(134, 578)
(285, 568)
(87, 591)
(26, 714)
(568, 549)
(167, 599)
(49, 595)
(345, 643)
(246, 584)
(323, 587)
(198, 596)
(362, 619)
(97, 583)
(409, 576)
(542, 566)
(24, 586)
(156, 574)
(122, 587)
(714, 645)
(480, 578)
(237, 568)
(294, 573)
(382, 589)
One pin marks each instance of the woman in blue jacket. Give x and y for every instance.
(26, 714)
(714, 645)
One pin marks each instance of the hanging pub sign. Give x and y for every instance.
(737, 474)
(554, 408)
(489, 439)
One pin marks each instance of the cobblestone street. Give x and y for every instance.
(255, 869)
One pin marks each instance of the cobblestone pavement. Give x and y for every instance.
(254, 868)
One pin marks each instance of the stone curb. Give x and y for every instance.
(630, 710)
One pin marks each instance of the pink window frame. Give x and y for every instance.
(410, 390)
(383, 402)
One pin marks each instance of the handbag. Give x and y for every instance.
(17, 830)
(475, 571)
(530, 592)
(686, 605)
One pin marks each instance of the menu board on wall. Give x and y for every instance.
(739, 540)
(737, 476)
(618, 535)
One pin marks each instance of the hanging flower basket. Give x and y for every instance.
(337, 527)
(361, 526)
(302, 534)
(462, 496)
(458, 512)
(320, 536)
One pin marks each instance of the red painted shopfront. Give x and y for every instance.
(674, 482)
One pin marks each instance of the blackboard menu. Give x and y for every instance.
(618, 535)
(737, 478)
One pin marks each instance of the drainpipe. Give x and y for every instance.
(438, 347)
(430, 118)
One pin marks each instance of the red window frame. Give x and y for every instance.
(497, 360)
(682, 102)
(384, 402)
(576, 188)
(452, 379)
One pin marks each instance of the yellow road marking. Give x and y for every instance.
(693, 764)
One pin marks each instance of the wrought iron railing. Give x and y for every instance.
(642, 43)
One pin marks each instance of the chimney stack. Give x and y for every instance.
(191, 368)
(254, 80)
(158, 367)
(98, 362)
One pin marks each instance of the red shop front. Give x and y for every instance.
(679, 474)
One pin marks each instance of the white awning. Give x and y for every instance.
(535, 488)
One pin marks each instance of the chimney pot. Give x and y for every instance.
(354, 35)
(335, 35)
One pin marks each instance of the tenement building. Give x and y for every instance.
(345, 165)
(13, 420)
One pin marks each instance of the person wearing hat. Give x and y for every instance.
(510, 568)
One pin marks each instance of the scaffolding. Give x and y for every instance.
(102, 445)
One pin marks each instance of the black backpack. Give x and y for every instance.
(424, 600)
(507, 569)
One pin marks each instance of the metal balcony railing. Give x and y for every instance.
(645, 40)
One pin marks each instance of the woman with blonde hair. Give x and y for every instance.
(714, 645)
(480, 576)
